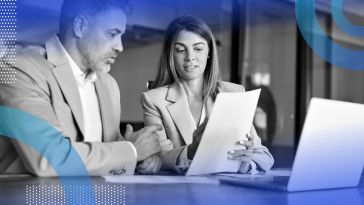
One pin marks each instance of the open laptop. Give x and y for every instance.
(330, 153)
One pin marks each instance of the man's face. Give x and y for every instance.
(101, 42)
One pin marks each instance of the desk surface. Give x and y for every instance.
(13, 191)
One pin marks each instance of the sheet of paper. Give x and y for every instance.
(148, 179)
(230, 120)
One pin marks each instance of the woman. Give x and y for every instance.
(183, 95)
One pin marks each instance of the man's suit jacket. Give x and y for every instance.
(45, 87)
(168, 106)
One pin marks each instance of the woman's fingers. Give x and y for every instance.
(246, 143)
(240, 158)
(240, 152)
(250, 136)
(242, 155)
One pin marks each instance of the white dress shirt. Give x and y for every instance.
(89, 102)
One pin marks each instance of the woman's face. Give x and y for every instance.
(190, 55)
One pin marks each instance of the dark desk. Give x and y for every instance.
(13, 191)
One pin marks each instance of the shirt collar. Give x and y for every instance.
(81, 78)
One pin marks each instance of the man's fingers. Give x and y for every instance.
(149, 153)
(156, 147)
(151, 128)
(144, 164)
(157, 165)
(147, 142)
(128, 131)
(153, 164)
(150, 165)
(153, 145)
(148, 146)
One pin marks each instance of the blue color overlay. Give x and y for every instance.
(50, 144)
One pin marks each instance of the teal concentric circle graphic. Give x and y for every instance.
(317, 39)
(342, 22)
(53, 146)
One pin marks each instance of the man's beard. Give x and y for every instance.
(93, 64)
(91, 61)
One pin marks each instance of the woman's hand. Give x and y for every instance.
(243, 155)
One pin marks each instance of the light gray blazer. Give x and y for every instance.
(46, 88)
(168, 106)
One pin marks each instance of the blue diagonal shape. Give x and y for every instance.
(53, 146)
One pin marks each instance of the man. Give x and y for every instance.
(66, 84)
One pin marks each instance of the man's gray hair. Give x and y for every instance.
(71, 8)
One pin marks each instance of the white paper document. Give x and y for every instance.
(230, 120)
(148, 179)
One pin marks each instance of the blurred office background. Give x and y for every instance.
(259, 45)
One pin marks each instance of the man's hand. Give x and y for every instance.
(197, 135)
(145, 141)
(152, 165)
